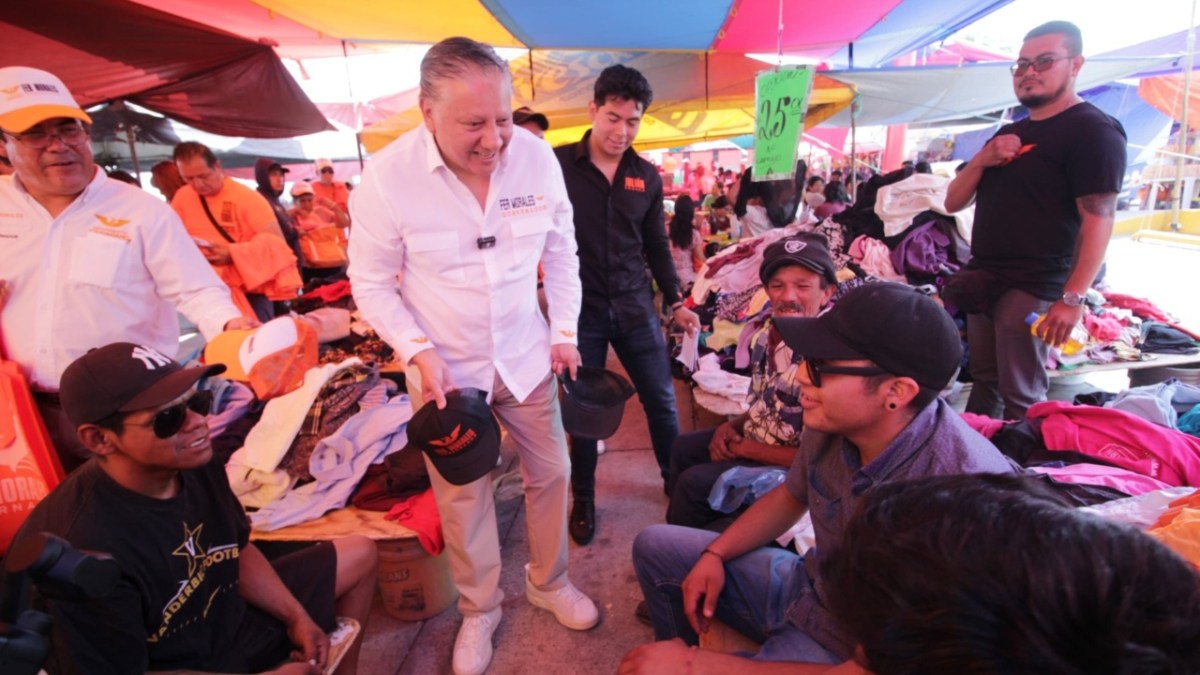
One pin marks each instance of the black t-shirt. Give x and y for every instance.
(176, 605)
(620, 231)
(1026, 219)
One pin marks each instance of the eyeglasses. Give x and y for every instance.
(168, 421)
(816, 367)
(72, 134)
(1040, 64)
(327, 170)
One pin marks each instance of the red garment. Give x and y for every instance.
(1145, 309)
(738, 254)
(1122, 439)
(329, 292)
(420, 514)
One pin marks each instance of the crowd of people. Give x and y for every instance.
(934, 552)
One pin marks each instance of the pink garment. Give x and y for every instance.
(1120, 438)
(986, 426)
(420, 514)
(1103, 328)
(1129, 482)
(874, 257)
(1145, 309)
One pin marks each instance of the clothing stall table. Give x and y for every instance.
(1156, 361)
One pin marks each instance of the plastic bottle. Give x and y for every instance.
(1074, 344)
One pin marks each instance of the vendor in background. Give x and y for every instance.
(312, 213)
(687, 246)
(722, 219)
(325, 187)
(836, 201)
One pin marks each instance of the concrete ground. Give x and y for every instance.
(529, 640)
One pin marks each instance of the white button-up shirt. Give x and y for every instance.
(112, 267)
(475, 304)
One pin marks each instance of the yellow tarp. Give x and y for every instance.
(416, 23)
(697, 96)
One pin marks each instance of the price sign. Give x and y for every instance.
(781, 99)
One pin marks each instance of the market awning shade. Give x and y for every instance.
(939, 93)
(1166, 93)
(122, 50)
(697, 96)
(814, 28)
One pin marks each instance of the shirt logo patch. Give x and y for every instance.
(420, 340)
(567, 333)
(112, 222)
(526, 205)
(635, 184)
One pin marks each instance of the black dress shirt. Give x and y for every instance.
(620, 231)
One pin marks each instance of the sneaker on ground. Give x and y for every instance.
(568, 604)
(473, 646)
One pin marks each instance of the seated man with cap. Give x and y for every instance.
(798, 274)
(193, 594)
(872, 370)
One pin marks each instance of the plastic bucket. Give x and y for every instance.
(414, 585)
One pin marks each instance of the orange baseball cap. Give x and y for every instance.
(29, 96)
(272, 358)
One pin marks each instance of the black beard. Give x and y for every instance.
(1033, 101)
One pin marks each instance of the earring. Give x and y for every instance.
(891, 405)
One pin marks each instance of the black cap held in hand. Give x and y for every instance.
(462, 439)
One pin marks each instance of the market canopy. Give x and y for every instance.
(120, 50)
(942, 93)
(880, 29)
(697, 96)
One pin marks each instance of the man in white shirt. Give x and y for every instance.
(86, 260)
(462, 209)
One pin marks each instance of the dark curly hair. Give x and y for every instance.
(977, 574)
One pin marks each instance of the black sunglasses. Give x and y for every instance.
(168, 421)
(818, 366)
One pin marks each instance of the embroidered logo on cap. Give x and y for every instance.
(150, 357)
(794, 246)
(455, 442)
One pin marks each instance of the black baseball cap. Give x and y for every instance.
(526, 114)
(124, 377)
(462, 439)
(896, 327)
(807, 249)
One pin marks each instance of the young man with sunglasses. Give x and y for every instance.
(1046, 191)
(87, 260)
(194, 594)
(872, 370)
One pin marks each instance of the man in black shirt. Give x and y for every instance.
(618, 202)
(193, 594)
(1047, 190)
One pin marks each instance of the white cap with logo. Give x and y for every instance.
(29, 96)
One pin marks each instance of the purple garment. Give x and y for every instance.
(829, 478)
(924, 252)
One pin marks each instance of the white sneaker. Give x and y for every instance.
(473, 646)
(568, 604)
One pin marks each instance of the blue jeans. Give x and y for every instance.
(643, 352)
(1007, 362)
(759, 588)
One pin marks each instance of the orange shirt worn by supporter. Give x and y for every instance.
(317, 218)
(261, 261)
(335, 192)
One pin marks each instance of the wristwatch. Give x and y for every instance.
(1072, 299)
